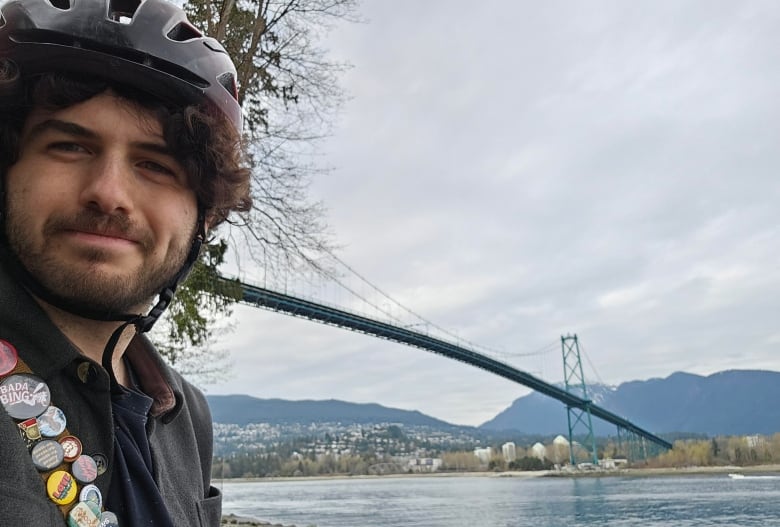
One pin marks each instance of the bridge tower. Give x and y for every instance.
(575, 384)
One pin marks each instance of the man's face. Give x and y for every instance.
(99, 211)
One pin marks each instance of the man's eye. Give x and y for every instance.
(156, 167)
(67, 147)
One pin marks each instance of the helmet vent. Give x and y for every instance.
(228, 81)
(182, 32)
(122, 11)
(61, 4)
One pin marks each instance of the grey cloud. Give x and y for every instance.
(518, 170)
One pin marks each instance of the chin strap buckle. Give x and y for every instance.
(145, 323)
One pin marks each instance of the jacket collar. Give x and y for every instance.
(154, 377)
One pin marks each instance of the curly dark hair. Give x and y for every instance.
(201, 139)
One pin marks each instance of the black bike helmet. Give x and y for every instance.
(148, 44)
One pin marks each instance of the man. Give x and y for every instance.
(119, 150)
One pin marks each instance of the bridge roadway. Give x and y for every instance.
(258, 296)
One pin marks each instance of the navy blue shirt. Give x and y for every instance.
(133, 494)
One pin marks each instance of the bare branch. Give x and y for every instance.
(289, 90)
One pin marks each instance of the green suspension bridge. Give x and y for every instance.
(637, 442)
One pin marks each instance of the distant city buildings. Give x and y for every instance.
(318, 440)
(428, 464)
(386, 447)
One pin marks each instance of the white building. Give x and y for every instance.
(539, 451)
(484, 454)
(509, 451)
(559, 452)
(425, 464)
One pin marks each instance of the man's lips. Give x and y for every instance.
(90, 229)
(101, 236)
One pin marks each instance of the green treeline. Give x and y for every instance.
(720, 451)
(257, 465)
(295, 459)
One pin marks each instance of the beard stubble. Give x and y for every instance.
(80, 280)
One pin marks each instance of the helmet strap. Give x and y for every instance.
(144, 323)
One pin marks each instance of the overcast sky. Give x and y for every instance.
(519, 170)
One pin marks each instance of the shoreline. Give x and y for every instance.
(277, 479)
(630, 472)
(232, 519)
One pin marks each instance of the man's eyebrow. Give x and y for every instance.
(58, 125)
(76, 130)
(158, 148)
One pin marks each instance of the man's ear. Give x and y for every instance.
(204, 222)
(208, 222)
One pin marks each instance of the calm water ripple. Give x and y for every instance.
(711, 500)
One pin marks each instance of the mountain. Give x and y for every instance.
(735, 402)
(538, 414)
(243, 410)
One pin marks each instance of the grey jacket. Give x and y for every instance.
(179, 428)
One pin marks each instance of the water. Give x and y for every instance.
(470, 501)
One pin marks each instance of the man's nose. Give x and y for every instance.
(108, 184)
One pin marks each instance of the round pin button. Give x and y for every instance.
(108, 519)
(24, 395)
(84, 469)
(71, 447)
(102, 463)
(61, 487)
(91, 494)
(46, 455)
(8, 357)
(52, 422)
(82, 515)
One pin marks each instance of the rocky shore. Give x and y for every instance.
(232, 519)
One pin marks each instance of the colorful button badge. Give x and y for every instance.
(108, 519)
(8, 358)
(71, 446)
(24, 395)
(61, 487)
(52, 422)
(84, 515)
(91, 494)
(46, 455)
(29, 431)
(84, 469)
